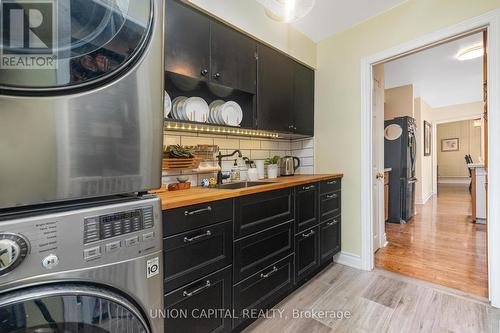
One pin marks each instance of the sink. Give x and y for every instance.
(235, 186)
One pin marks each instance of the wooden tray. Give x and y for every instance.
(180, 163)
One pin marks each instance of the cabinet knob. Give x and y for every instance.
(217, 76)
(204, 72)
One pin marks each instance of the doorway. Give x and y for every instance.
(432, 235)
(490, 22)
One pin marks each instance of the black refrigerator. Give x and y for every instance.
(400, 155)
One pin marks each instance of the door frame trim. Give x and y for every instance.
(491, 21)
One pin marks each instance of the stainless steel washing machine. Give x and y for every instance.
(92, 269)
(81, 99)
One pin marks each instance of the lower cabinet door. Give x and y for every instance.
(262, 290)
(329, 239)
(190, 309)
(256, 252)
(306, 253)
(191, 255)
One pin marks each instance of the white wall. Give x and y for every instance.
(249, 16)
(338, 90)
(423, 112)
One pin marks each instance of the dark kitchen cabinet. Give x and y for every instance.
(263, 289)
(306, 206)
(255, 252)
(274, 90)
(303, 100)
(257, 212)
(187, 41)
(329, 239)
(306, 253)
(191, 255)
(212, 292)
(233, 58)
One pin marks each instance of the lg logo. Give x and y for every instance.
(28, 34)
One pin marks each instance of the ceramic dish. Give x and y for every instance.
(213, 106)
(196, 109)
(231, 114)
(167, 105)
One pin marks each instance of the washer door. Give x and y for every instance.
(69, 309)
(54, 45)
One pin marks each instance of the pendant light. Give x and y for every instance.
(287, 10)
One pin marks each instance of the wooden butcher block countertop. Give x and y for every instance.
(197, 195)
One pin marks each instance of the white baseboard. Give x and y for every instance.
(348, 259)
(453, 180)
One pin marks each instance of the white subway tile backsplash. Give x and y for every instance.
(249, 144)
(284, 145)
(296, 145)
(270, 145)
(171, 140)
(280, 153)
(227, 143)
(306, 170)
(259, 154)
(308, 143)
(307, 161)
(308, 152)
(196, 140)
(255, 149)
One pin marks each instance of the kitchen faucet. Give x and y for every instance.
(220, 176)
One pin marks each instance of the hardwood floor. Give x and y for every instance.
(378, 301)
(440, 244)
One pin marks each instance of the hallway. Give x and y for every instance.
(440, 244)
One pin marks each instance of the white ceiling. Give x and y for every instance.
(329, 17)
(437, 76)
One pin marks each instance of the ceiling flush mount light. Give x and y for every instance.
(472, 52)
(287, 10)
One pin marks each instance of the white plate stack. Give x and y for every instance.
(196, 109)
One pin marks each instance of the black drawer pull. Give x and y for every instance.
(268, 274)
(332, 223)
(332, 196)
(186, 293)
(195, 238)
(332, 182)
(310, 187)
(308, 234)
(198, 211)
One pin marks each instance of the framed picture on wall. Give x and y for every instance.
(450, 145)
(427, 138)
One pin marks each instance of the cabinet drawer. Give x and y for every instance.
(253, 253)
(306, 253)
(192, 217)
(257, 212)
(330, 205)
(187, 303)
(191, 255)
(264, 288)
(330, 185)
(306, 206)
(329, 239)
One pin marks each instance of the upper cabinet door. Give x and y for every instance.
(187, 41)
(274, 90)
(303, 100)
(233, 58)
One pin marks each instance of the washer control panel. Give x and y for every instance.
(79, 239)
(105, 234)
(102, 227)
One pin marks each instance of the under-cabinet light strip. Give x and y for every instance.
(218, 130)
